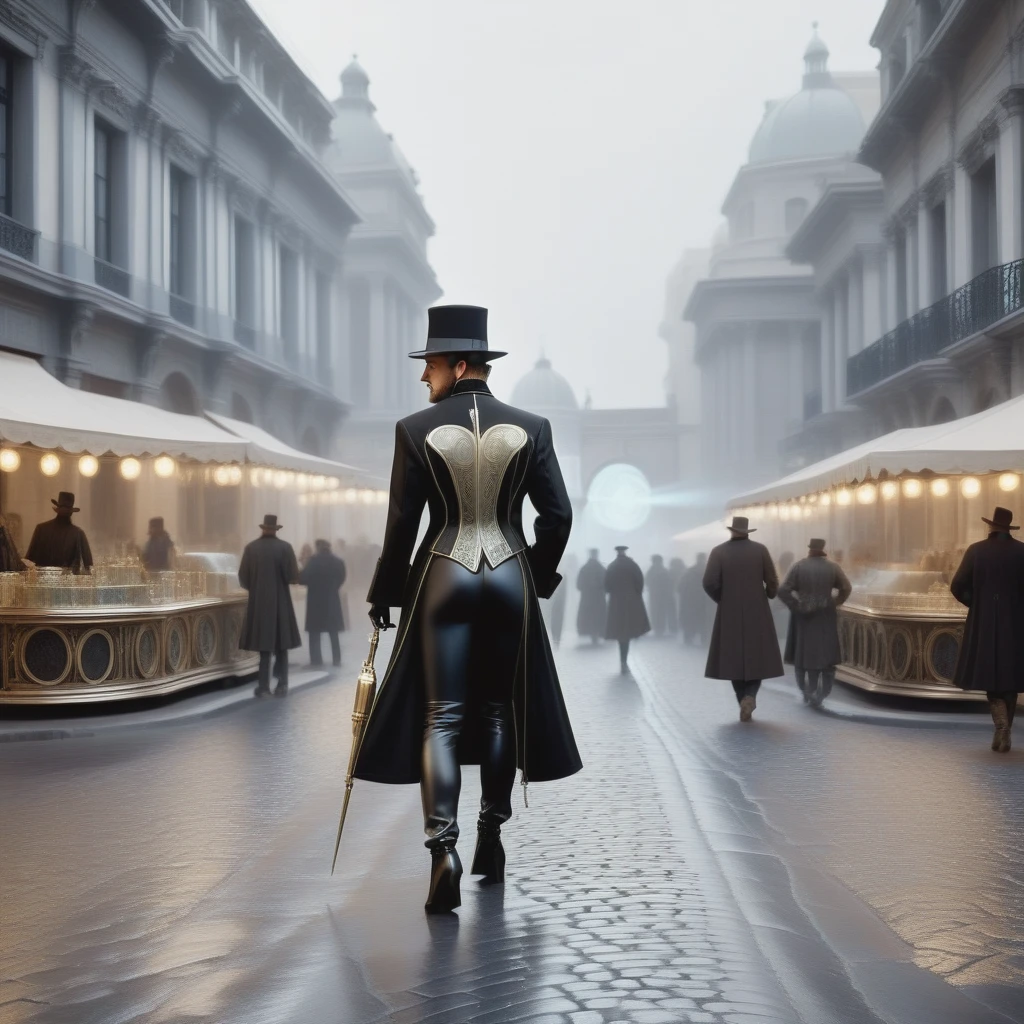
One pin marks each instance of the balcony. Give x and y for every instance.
(183, 311)
(969, 310)
(245, 335)
(17, 238)
(114, 279)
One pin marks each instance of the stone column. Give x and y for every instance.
(828, 353)
(891, 303)
(855, 340)
(1009, 178)
(841, 346)
(960, 249)
(925, 242)
(377, 346)
(871, 263)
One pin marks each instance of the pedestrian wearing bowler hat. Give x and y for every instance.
(627, 614)
(740, 578)
(471, 678)
(58, 543)
(268, 568)
(812, 641)
(990, 582)
(159, 548)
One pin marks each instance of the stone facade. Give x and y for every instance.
(169, 233)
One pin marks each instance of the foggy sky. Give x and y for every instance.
(569, 150)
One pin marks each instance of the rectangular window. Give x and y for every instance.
(985, 233)
(6, 120)
(176, 229)
(102, 166)
(940, 273)
(245, 273)
(901, 276)
(288, 299)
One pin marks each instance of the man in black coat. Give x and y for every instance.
(471, 678)
(322, 577)
(58, 543)
(158, 549)
(267, 569)
(990, 582)
(660, 597)
(696, 613)
(627, 616)
(592, 614)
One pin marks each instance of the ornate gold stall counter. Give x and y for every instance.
(900, 634)
(117, 634)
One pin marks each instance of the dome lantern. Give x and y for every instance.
(355, 86)
(816, 73)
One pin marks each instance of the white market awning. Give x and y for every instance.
(987, 442)
(265, 449)
(37, 409)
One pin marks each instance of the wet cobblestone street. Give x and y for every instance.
(803, 868)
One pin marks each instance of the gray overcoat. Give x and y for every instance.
(268, 566)
(812, 641)
(740, 578)
(624, 585)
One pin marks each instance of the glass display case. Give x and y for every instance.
(904, 591)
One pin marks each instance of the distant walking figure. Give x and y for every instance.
(695, 610)
(812, 642)
(740, 578)
(660, 598)
(592, 614)
(627, 616)
(323, 576)
(990, 582)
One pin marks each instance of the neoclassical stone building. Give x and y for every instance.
(168, 231)
(388, 282)
(756, 313)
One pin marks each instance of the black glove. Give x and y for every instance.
(380, 616)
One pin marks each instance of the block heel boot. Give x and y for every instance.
(489, 859)
(445, 875)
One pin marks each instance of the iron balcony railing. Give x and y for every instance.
(183, 311)
(992, 295)
(17, 238)
(114, 279)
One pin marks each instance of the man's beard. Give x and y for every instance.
(442, 391)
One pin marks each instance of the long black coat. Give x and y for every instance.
(392, 746)
(990, 582)
(660, 599)
(268, 566)
(624, 585)
(696, 612)
(740, 578)
(812, 640)
(322, 577)
(592, 614)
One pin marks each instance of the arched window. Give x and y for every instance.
(796, 210)
(178, 395)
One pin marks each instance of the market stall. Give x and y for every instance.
(121, 630)
(897, 513)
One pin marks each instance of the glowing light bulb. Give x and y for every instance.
(164, 467)
(843, 496)
(1007, 481)
(351, 496)
(940, 488)
(912, 488)
(826, 499)
(234, 475)
(131, 468)
(222, 476)
(867, 494)
(88, 465)
(10, 460)
(255, 477)
(970, 487)
(49, 464)
(890, 489)
(280, 479)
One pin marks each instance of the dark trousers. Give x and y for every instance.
(280, 669)
(623, 651)
(746, 688)
(316, 656)
(808, 678)
(471, 630)
(1011, 703)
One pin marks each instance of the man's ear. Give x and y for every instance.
(460, 369)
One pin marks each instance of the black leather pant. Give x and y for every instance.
(472, 629)
(280, 669)
(745, 688)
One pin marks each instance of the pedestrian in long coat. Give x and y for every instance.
(812, 641)
(696, 612)
(660, 598)
(740, 578)
(990, 582)
(676, 571)
(592, 614)
(322, 577)
(267, 569)
(780, 613)
(627, 616)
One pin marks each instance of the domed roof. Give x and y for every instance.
(544, 390)
(357, 139)
(820, 120)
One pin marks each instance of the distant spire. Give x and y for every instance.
(816, 73)
(355, 86)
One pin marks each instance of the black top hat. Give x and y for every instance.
(1001, 520)
(456, 330)
(270, 523)
(741, 526)
(622, 547)
(816, 544)
(156, 523)
(593, 552)
(64, 502)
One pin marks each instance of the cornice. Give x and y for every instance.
(977, 147)
(14, 18)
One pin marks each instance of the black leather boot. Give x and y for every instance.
(489, 859)
(445, 875)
